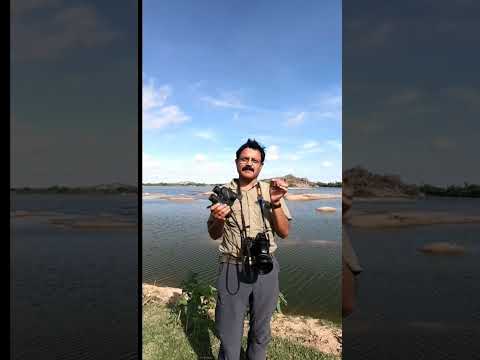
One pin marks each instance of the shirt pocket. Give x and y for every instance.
(235, 218)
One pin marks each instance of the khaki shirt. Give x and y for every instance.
(231, 243)
(349, 254)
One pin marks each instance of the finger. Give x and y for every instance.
(219, 215)
(217, 211)
(226, 211)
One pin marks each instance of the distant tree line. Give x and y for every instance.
(467, 190)
(186, 183)
(56, 189)
(330, 184)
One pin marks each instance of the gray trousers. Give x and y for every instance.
(260, 296)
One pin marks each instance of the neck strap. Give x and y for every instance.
(261, 202)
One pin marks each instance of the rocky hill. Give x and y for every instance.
(296, 182)
(367, 184)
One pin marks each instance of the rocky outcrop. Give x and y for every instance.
(295, 182)
(367, 184)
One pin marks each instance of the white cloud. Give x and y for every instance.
(150, 164)
(205, 134)
(272, 153)
(292, 157)
(328, 115)
(310, 145)
(153, 97)
(313, 150)
(62, 29)
(226, 101)
(296, 120)
(163, 117)
(209, 169)
(195, 86)
(156, 115)
(200, 157)
(336, 144)
(331, 100)
(187, 169)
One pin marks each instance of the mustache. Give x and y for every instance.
(247, 168)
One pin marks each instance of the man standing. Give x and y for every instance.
(350, 265)
(260, 208)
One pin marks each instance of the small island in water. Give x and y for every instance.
(115, 188)
(293, 182)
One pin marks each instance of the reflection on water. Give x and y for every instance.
(67, 284)
(176, 241)
(410, 301)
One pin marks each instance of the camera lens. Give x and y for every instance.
(264, 264)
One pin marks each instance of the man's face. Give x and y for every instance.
(249, 163)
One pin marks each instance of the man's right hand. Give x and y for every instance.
(220, 211)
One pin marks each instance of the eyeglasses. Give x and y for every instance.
(245, 160)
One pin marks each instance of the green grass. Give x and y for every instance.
(164, 338)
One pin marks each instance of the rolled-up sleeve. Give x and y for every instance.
(285, 209)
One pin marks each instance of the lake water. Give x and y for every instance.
(176, 241)
(69, 284)
(418, 305)
(73, 291)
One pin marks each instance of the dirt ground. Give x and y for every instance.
(310, 332)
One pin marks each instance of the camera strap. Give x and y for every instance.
(261, 202)
(243, 229)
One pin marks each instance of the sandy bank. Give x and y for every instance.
(326, 209)
(176, 198)
(94, 223)
(314, 333)
(28, 214)
(443, 248)
(305, 197)
(410, 218)
(387, 199)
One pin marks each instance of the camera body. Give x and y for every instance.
(259, 253)
(222, 195)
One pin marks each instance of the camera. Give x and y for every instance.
(258, 253)
(222, 195)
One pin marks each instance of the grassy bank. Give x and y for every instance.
(165, 338)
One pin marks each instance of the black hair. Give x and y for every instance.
(252, 144)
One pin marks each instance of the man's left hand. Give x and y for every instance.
(278, 189)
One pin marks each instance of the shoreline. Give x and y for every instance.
(408, 218)
(318, 334)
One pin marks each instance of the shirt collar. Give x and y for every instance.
(234, 184)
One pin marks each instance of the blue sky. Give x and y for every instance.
(215, 75)
(411, 93)
(73, 92)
